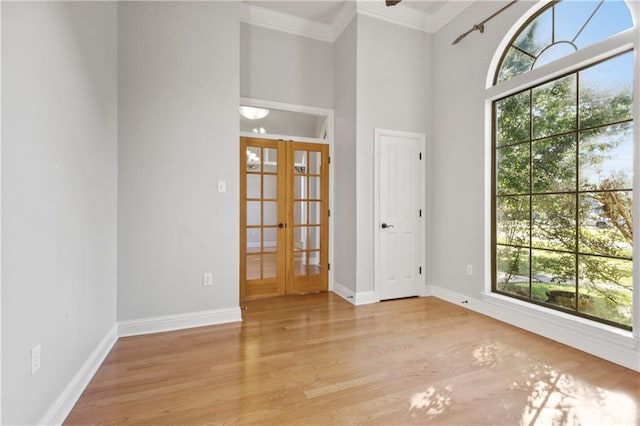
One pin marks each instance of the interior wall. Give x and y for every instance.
(283, 67)
(393, 92)
(59, 183)
(344, 163)
(178, 135)
(459, 145)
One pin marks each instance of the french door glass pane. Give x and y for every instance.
(270, 216)
(313, 268)
(314, 188)
(254, 159)
(253, 185)
(314, 238)
(300, 187)
(300, 263)
(270, 188)
(269, 265)
(300, 237)
(270, 239)
(254, 213)
(315, 160)
(300, 162)
(271, 160)
(300, 212)
(254, 262)
(315, 212)
(253, 240)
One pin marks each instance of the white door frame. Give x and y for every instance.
(378, 133)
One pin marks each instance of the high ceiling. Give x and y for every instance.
(325, 12)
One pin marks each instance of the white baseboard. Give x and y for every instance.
(361, 298)
(366, 298)
(345, 292)
(610, 343)
(178, 322)
(60, 409)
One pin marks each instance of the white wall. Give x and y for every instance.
(344, 211)
(393, 92)
(59, 171)
(459, 145)
(283, 67)
(178, 135)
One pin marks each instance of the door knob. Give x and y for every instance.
(385, 226)
(281, 225)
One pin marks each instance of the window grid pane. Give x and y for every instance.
(559, 30)
(563, 195)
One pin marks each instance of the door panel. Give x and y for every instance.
(308, 237)
(284, 218)
(399, 247)
(262, 260)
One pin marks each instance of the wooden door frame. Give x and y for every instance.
(329, 141)
(377, 134)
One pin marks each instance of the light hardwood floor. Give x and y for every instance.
(316, 359)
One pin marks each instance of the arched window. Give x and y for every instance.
(563, 149)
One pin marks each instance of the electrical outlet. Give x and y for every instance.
(469, 270)
(222, 186)
(35, 359)
(207, 279)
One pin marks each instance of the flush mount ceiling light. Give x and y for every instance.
(253, 113)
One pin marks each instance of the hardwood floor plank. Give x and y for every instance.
(317, 360)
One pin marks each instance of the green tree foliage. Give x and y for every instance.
(597, 221)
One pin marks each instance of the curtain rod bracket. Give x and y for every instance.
(480, 26)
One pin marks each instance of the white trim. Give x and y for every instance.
(401, 15)
(343, 19)
(344, 292)
(445, 14)
(609, 343)
(278, 21)
(60, 409)
(365, 298)
(277, 137)
(178, 322)
(610, 47)
(421, 139)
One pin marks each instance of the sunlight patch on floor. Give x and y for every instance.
(432, 402)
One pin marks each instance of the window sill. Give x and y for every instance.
(569, 323)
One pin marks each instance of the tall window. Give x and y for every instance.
(563, 167)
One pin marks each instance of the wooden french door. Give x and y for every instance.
(284, 215)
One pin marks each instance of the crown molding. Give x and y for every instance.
(267, 18)
(445, 14)
(403, 16)
(399, 15)
(343, 19)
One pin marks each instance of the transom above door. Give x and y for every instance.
(284, 217)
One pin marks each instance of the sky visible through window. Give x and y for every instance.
(562, 29)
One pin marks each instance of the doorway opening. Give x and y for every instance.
(284, 218)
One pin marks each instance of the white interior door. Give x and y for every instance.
(399, 214)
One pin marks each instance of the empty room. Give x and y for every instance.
(319, 212)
